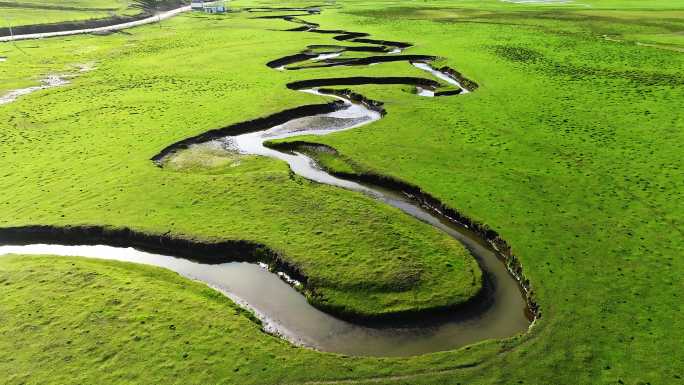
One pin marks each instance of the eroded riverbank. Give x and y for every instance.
(500, 310)
(506, 294)
(283, 310)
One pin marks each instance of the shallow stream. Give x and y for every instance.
(285, 312)
(501, 312)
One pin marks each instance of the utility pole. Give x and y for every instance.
(14, 42)
(9, 23)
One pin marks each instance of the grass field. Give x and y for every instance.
(570, 149)
(26, 12)
(388, 263)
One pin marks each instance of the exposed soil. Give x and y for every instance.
(365, 61)
(361, 80)
(250, 126)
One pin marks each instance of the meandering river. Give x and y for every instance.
(502, 311)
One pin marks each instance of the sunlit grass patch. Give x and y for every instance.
(203, 156)
(570, 149)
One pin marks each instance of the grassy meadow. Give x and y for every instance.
(161, 85)
(26, 12)
(570, 149)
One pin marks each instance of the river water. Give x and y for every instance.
(286, 312)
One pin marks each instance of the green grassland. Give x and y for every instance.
(26, 12)
(134, 324)
(162, 85)
(570, 149)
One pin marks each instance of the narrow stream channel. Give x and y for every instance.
(286, 312)
(283, 310)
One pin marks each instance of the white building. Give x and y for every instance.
(209, 6)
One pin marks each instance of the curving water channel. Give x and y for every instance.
(501, 312)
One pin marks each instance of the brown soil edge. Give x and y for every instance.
(224, 251)
(341, 35)
(398, 44)
(292, 17)
(465, 82)
(82, 24)
(290, 59)
(365, 61)
(208, 252)
(250, 126)
(334, 48)
(352, 96)
(361, 37)
(488, 235)
(448, 93)
(362, 80)
(311, 9)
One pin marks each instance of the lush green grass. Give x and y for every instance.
(83, 4)
(26, 12)
(73, 320)
(146, 85)
(570, 149)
